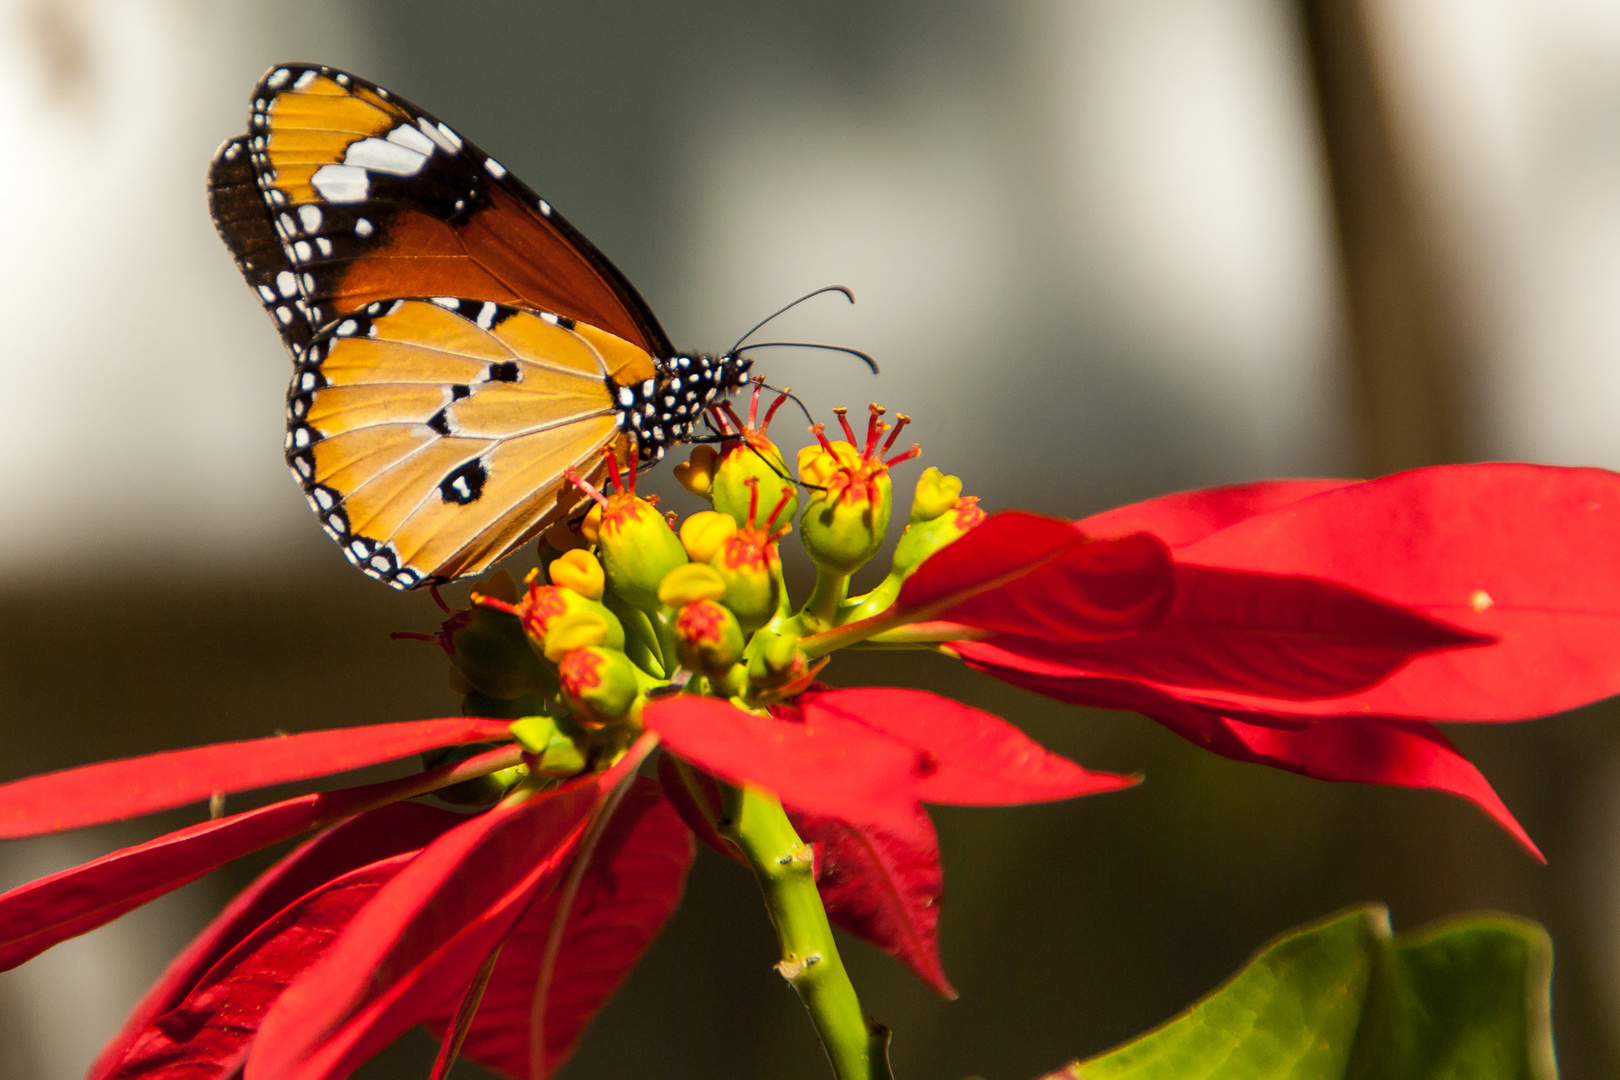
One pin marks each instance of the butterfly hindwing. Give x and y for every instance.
(373, 198)
(433, 436)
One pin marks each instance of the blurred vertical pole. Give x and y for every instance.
(1405, 354)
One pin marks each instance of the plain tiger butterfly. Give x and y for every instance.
(458, 346)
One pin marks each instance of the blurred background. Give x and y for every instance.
(1104, 249)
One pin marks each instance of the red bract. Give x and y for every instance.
(871, 755)
(1024, 572)
(115, 790)
(1456, 593)
(585, 941)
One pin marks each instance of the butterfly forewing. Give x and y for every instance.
(432, 436)
(240, 215)
(373, 198)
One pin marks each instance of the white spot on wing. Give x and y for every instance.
(305, 79)
(301, 251)
(325, 245)
(412, 139)
(545, 208)
(380, 155)
(278, 79)
(486, 315)
(439, 140)
(287, 282)
(343, 183)
(362, 228)
(311, 217)
(496, 169)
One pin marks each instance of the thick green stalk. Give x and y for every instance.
(783, 865)
(821, 610)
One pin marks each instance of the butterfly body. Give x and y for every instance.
(459, 348)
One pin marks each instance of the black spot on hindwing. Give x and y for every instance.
(465, 485)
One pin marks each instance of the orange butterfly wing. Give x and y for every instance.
(373, 198)
(432, 437)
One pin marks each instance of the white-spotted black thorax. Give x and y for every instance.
(663, 412)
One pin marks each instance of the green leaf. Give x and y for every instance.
(1344, 999)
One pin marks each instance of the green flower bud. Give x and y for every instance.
(543, 605)
(479, 791)
(750, 567)
(707, 638)
(936, 493)
(845, 521)
(940, 515)
(599, 684)
(489, 650)
(555, 753)
(775, 660)
(752, 475)
(638, 549)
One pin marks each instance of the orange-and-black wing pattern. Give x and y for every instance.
(432, 436)
(373, 198)
(458, 347)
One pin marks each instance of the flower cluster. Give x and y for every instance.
(1316, 626)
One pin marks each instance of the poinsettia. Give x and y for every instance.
(1319, 626)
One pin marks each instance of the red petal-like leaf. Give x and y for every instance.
(696, 798)
(1522, 554)
(962, 756)
(368, 838)
(1362, 749)
(1188, 516)
(1017, 571)
(1243, 632)
(35, 916)
(208, 1035)
(452, 883)
(836, 767)
(629, 891)
(116, 790)
(883, 885)
(437, 982)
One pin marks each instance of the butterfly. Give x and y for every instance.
(459, 348)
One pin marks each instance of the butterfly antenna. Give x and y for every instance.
(782, 311)
(871, 363)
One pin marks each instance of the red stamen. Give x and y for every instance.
(585, 485)
(901, 420)
(753, 402)
(915, 451)
(843, 418)
(752, 483)
(771, 412)
(433, 591)
(720, 420)
(770, 522)
(613, 469)
(412, 635)
(820, 432)
(732, 413)
(498, 605)
(874, 429)
(634, 460)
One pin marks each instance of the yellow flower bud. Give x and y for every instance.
(690, 583)
(580, 571)
(704, 532)
(696, 473)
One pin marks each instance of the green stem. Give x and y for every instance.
(821, 610)
(784, 866)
